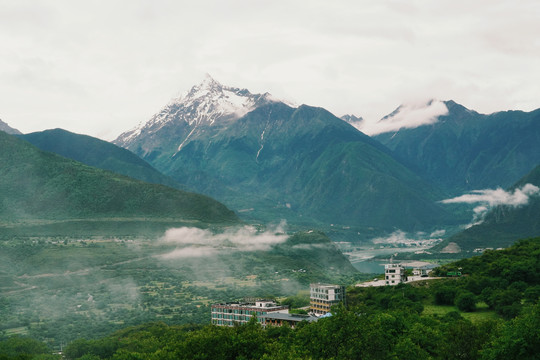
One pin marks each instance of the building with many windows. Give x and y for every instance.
(230, 313)
(323, 296)
(394, 274)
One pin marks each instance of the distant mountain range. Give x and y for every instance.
(97, 153)
(464, 150)
(8, 129)
(269, 160)
(353, 120)
(40, 185)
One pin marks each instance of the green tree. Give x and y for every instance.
(465, 301)
(19, 347)
(445, 295)
(519, 339)
(406, 349)
(462, 341)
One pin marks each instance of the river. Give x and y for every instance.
(363, 259)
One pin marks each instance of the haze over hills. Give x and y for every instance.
(516, 218)
(272, 160)
(97, 153)
(8, 129)
(353, 120)
(463, 150)
(40, 185)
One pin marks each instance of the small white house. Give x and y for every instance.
(420, 271)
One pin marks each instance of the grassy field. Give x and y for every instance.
(482, 312)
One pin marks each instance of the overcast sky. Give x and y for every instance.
(101, 67)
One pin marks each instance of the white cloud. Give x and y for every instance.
(190, 252)
(496, 197)
(401, 238)
(407, 116)
(488, 199)
(394, 238)
(438, 233)
(195, 242)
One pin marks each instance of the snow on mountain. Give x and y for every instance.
(208, 103)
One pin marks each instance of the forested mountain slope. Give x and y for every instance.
(273, 161)
(464, 150)
(97, 153)
(40, 185)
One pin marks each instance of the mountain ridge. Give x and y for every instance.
(8, 129)
(465, 150)
(41, 185)
(205, 103)
(98, 153)
(271, 158)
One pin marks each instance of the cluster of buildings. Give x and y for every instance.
(269, 313)
(322, 298)
(395, 274)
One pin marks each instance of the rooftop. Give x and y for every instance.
(291, 317)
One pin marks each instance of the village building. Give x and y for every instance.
(280, 319)
(394, 274)
(228, 314)
(421, 271)
(323, 296)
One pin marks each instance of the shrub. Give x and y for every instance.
(466, 301)
(445, 295)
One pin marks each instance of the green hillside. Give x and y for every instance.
(97, 153)
(465, 150)
(39, 185)
(503, 225)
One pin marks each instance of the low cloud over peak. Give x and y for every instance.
(487, 199)
(408, 116)
(497, 196)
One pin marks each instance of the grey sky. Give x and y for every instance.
(101, 67)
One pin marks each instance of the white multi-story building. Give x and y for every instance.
(394, 274)
(230, 313)
(323, 296)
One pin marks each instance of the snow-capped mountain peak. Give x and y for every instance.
(210, 101)
(207, 103)
(206, 87)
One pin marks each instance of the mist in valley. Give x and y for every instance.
(61, 288)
